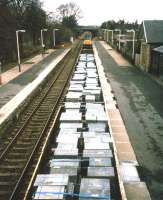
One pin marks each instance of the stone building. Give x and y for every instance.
(157, 62)
(150, 36)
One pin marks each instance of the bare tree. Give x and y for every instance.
(69, 9)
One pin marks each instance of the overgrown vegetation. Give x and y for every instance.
(120, 24)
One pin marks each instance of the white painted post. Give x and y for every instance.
(18, 49)
(0, 73)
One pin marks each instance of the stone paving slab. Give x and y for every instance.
(137, 191)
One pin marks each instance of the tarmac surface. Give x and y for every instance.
(9, 90)
(140, 100)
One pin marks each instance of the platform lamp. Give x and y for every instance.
(133, 41)
(103, 34)
(54, 30)
(112, 34)
(42, 38)
(18, 49)
(119, 43)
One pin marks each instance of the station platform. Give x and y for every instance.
(14, 81)
(19, 90)
(127, 165)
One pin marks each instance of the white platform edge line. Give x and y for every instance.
(16, 101)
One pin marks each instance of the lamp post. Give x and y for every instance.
(0, 73)
(42, 37)
(104, 34)
(133, 41)
(107, 36)
(119, 43)
(112, 35)
(18, 49)
(104, 30)
(54, 30)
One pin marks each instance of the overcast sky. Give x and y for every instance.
(95, 12)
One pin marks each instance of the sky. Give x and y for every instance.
(94, 12)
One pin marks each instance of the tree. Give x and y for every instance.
(34, 19)
(70, 22)
(68, 10)
(7, 34)
(120, 24)
(19, 14)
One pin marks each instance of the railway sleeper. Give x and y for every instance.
(7, 176)
(20, 147)
(16, 155)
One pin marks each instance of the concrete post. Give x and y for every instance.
(0, 73)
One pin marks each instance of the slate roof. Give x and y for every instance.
(153, 30)
(159, 49)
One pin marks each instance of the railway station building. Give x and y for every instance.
(150, 37)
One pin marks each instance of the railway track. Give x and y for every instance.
(24, 145)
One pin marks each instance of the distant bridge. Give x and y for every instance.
(93, 29)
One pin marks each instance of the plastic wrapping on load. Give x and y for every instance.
(89, 70)
(93, 106)
(96, 140)
(101, 172)
(104, 139)
(83, 57)
(95, 116)
(72, 171)
(96, 93)
(66, 153)
(90, 98)
(67, 146)
(95, 188)
(64, 163)
(97, 153)
(90, 59)
(80, 71)
(68, 138)
(50, 192)
(75, 88)
(96, 145)
(79, 77)
(92, 87)
(100, 162)
(77, 110)
(51, 179)
(64, 166)
(97, 127)
(91, 74)
(71, 116)
(77, 82)
(92, 81)
(74, 96)
(96, 134)
(72, 127)
(91, 65)
(67, 131)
